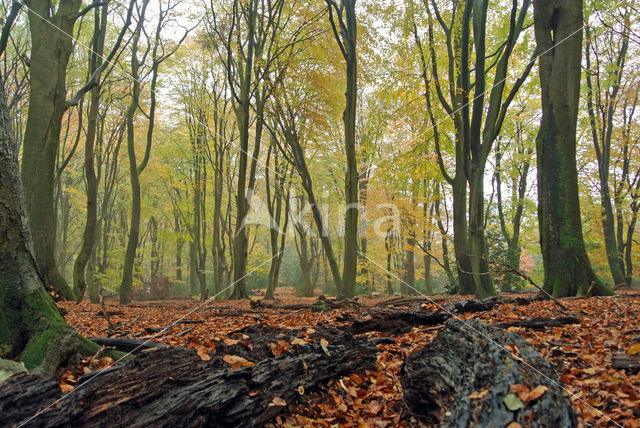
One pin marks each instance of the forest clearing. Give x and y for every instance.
(369, 213)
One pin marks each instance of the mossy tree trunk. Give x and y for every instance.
(50, 50)
(567, 270)
(30, 325)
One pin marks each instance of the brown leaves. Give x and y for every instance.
(581, 354)
(237, 361)
(525, 394)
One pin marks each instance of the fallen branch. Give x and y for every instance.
(126, 345)
(530, 281)
(540, 323)
(625, 361)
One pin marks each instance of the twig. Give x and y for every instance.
(526, 277)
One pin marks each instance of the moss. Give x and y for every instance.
(38, 347)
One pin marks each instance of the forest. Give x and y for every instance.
(319, 213)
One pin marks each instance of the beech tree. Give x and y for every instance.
(31, 326)
(567, 270)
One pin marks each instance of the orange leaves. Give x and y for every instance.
(236, 361)
(280, 347)
(581, 355)
(527, 395)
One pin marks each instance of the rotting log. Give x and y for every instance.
(174, 387)
(126, 345)
(392, 321)
(464, 375)
(538, 323)
(625, 361)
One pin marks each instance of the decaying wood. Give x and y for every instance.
(125, 344)
(392, 321)
(321, 303)
(464, 375)
(174, 387)
(540, 323)
(625, 361)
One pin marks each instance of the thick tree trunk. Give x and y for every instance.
(50, 50)
(30, 325)
(567, 270)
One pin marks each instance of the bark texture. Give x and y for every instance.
(175, 387)
(567, 270)
(472, 356)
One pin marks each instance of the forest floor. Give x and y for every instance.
(581, 353)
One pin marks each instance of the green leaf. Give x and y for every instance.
(512, 402)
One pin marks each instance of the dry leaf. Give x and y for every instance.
(537, 392)
(203, 353)
(478, 394)
(520, 390)
(298, 341)
(237, 361)
(277, 401)
(634, 349)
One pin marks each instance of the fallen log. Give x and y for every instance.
(482, 305)
(625, 361)
(477, 374)
(174, 387)
(393, 322)
(126, 345)
(538, 323)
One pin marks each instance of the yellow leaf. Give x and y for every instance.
(298, 341)
(634, 349)
(230, 342)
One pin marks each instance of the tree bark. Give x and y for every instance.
(470, 357)
(567, 270)
(50, 50)
(31, 326)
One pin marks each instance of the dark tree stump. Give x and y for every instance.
(174, 387)
(469, 358)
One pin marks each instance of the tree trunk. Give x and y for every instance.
(30, 325)
(567, 270)
(89, 234)
(50, 50)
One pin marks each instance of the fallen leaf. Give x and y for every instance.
(324, 343)
(231, 342)
(512, 402)
(478, 394)
(298, 341)
(514, 425)
(634, 349)
(65, 387)
(203, 353)
(537, 392)
(277, 401)
(374, 407)
(520, 390)
(237, 361)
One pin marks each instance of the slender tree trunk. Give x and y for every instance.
(89, 234)
(567, 270)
